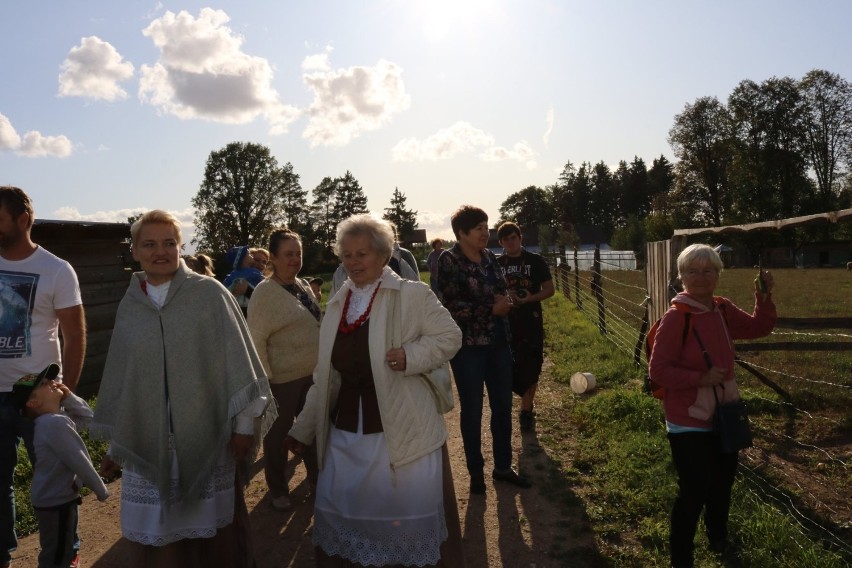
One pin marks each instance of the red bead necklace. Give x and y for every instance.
(347, 328)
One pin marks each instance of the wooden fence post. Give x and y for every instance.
(577, 281)
(597, 289)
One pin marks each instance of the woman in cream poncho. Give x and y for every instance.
(181, 389)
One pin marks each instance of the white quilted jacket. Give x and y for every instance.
(412, 425)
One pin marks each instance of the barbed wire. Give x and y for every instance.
(803, 521)
(605, 277)
(809, 334)
(792, 406)
(791, 376)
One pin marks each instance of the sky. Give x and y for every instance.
(111, 108)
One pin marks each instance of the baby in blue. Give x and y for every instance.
(243, 277)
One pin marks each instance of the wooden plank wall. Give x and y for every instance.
(661, 274)
(101, 258)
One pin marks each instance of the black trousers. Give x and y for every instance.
(705, 477)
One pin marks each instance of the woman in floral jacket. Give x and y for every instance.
(472, 288)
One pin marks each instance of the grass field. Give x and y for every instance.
(803, 434)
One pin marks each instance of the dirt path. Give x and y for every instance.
(541, 527)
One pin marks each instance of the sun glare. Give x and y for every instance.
(441, 19)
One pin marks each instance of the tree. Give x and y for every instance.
(828, 124)
(633, 188)
(349, 198)
(661, 179)
(603, 204)
(242, 197)
(322, 211)
(700, 140)
(572, 198)
(296, 210)
(404, 219)
(767, 176)
(530, 207)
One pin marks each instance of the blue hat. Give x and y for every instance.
(235, 256)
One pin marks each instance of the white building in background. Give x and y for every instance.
(610, 259)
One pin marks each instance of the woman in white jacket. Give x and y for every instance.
(384, 494)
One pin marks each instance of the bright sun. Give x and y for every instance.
(440, 18)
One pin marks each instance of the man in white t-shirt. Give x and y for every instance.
(40, 297)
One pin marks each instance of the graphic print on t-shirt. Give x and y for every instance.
(17, 299)
(518, 274)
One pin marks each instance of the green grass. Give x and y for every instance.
(620, 463)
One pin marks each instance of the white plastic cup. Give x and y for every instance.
(582, 382)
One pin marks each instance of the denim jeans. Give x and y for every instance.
(13, 428)
(57, 534)
(705, 477)
(473, 367)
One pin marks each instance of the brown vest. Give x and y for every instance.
(350, 356)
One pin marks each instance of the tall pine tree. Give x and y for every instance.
(404, 219)
(349, 197)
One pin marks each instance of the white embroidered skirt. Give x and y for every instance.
(144, 520)
(367, 513)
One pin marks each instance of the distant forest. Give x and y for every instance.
(777, 149)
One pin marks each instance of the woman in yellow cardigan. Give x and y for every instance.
(284, 319)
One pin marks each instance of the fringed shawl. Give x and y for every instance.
(198, 349)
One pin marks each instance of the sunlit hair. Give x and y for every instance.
(698, 253)
(278, 236)
(466, 218)
(507, 229)
(437, 243)
(379, 232)
(204, 264)
(253, 251)
(157, 216)
(16, 202)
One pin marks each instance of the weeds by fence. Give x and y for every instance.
(799, 387)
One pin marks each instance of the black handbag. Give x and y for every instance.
(731, 426)
(730, 421)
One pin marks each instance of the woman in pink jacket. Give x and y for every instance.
(690, 364)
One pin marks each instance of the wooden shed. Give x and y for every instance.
(100, 254)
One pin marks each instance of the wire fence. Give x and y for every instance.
(800, 404)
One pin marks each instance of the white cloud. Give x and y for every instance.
(185, 216)
(436, 224)
(549, 119)
(93, 69)
(203, 73)
(348, 102)
(33, 144)
(520, 152)
(9, 138)
(110, 216)
(444, 144)
(318, 62)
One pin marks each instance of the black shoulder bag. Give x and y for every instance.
(730, 421)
